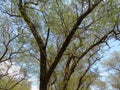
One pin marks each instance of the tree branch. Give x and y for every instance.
(71, 70)
(48, 33)
(68, 39)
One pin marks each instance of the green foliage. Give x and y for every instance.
(60, 16)
(7, 83)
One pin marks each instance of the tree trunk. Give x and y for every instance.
(43, 72)
(43, 85)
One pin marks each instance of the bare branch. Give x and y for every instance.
(10, 14)
(6, 48)
(47, 37)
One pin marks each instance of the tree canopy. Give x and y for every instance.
(58, 41)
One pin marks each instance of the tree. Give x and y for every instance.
(10, 50)
(67, 33)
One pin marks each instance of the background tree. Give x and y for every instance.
(10, 49)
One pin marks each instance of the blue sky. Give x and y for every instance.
(114, 46)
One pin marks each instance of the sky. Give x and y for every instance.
(108, 53)
(114, 46)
